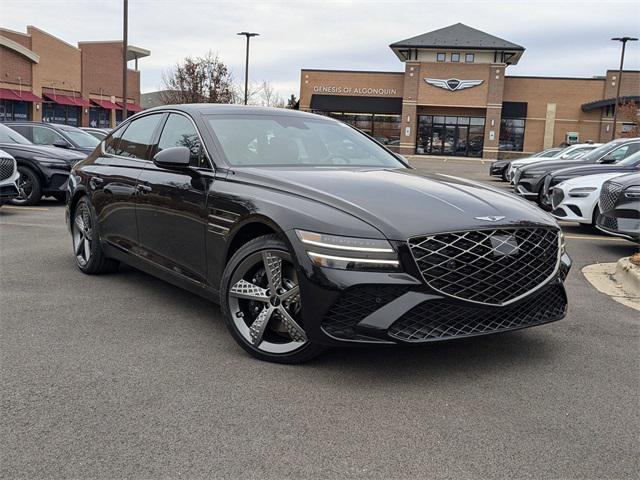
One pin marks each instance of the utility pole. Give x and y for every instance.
(125, 43)
(624, 41)
(246, 65)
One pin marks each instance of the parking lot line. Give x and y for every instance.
(39, 209)
(592, 237)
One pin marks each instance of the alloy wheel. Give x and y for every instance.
(82, 234)
(264, 301)
(25, 188)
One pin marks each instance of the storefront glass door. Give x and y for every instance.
(459, 136)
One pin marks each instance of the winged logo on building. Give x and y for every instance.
(453, 84)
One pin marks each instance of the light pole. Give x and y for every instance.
(624, 41)
(246, 65)
(125, 41)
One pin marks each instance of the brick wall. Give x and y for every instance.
(14, 67)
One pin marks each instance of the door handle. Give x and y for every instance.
(143, 188)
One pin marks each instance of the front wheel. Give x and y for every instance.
(29, 187)
(261, 303)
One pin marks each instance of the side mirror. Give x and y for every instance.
(60, 143)
(173, 158)
(608, 159)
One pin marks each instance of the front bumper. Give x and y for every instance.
(628, 227)
(573, 209)
(9, 188)
(347, 307)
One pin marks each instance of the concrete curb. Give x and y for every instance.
(605, 278)
(628, 275)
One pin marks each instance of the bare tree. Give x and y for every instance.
(198, 80)
(269, 97)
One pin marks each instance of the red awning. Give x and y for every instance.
(24, 96)
(6, 94)
(68, 100)
(27, 96)
(106, 104)
(131, 107)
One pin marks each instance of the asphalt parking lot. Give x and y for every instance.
(124, 376)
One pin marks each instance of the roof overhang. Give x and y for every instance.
(608, 102)
(20, 49)
(408, 53)
(134, 53)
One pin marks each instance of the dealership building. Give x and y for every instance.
(45, 78)
(455, 97)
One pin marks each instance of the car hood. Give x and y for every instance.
(42, 151)
(588, 180)
(590, 170)
(402, 203)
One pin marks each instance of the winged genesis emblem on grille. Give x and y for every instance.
(491, 218)
(453, 84)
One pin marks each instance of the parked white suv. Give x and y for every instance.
(8, 178)
(576, 200)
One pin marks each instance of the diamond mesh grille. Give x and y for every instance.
(609, 195)
(610, 223)
(487, 266)
(6, 168)
(354, 305)
(439, 320)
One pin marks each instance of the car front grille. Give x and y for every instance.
(610, 223)
(556, 197)
(6, 168)
(493, 267)
(609, 195)
(440, 320)
(355, 304)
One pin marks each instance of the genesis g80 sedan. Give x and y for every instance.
(310, 234)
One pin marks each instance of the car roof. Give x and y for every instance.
(222, 109)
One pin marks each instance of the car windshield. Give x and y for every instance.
(8, 135)
(579, 152)
(596, 153)
(631, 160)
(287, 140)
(82, 139)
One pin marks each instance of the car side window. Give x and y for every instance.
(136, 141)
(24, 130)
(111, 143)
(623, 152)
(178, 131)
(46, 136)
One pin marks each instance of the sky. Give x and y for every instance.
(562, 38)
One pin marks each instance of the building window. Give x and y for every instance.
(13, 110)
(455, 57)
(99, 117)
(512, 134)
(469, 57)
(64, 114)
(441, 57)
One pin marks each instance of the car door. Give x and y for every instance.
(114, 179)
(171, 210)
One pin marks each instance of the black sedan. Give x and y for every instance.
(619, 206)
(43, 170)
(311, 234)
(56, 135)
(529, 180)
(629, 164)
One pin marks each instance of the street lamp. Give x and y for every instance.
(624, 41)
(246, 66)
(125, 41)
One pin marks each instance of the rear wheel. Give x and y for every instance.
(261, 303)
(87, 249)
(29, 186)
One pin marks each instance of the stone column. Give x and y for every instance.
(409, 123)
(494, 111)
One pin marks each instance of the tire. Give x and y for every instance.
(504, 174)
(264, 323)
(87, 248)
(29, 184)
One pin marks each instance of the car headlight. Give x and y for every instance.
(563, 247)
(349, 253)
(581, 192)
(53, 162)
(632, 192)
